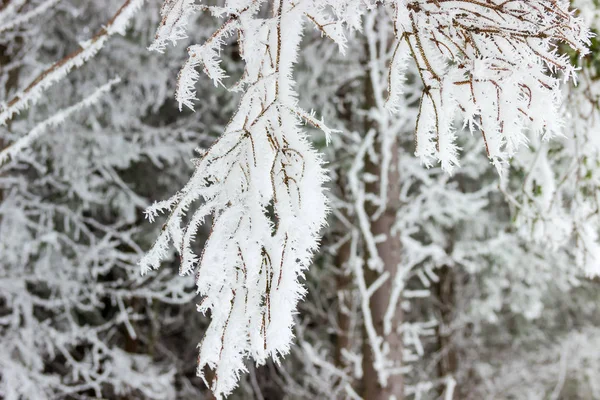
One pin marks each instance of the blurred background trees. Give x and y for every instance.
(480, 296)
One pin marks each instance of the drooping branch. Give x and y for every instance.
(473, 57)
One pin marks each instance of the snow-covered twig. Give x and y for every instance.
(14, 148)
(33, 92)
(25, 17)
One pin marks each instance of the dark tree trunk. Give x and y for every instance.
(389, 250)
(445, 292)
(343, 284)
(390, 253)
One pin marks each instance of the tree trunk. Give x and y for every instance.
(389, 251)
(343, 284)
(445, 292)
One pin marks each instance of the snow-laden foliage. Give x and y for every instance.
(558, 203)
(494, 64)
(262, 184)
(489, 62)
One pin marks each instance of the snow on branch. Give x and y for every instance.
(8, 9)
(494, 62)
(261, 184)
(33, 92)
(13, 149)
(176, 15)
(25, 17)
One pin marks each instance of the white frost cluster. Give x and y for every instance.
(261, 185)
(489, 62)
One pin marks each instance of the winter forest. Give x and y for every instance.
(300, 199)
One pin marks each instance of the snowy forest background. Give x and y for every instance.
(474, 279)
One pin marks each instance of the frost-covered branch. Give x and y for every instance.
(492, 62)
(13, 149)
(261, 182)
(34, 91)
(21, 19)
